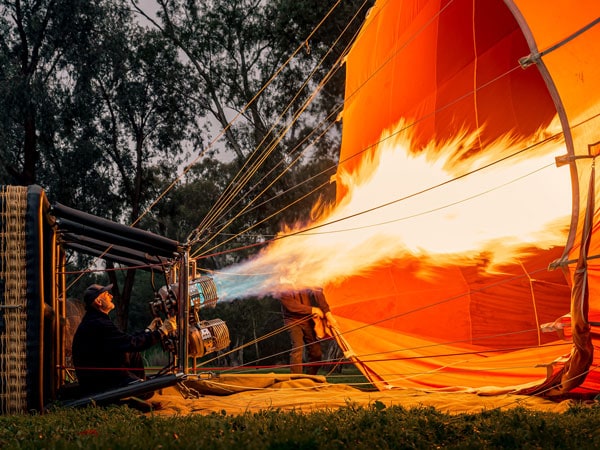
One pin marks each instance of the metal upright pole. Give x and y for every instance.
(184, 312)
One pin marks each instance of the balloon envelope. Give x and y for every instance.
(436, 70)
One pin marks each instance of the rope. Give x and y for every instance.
(254, 166)
(209, 217)
(248, 208)
(305, 231)
(244, 108)
(230, 123)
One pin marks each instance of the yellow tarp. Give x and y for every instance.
(238, 394)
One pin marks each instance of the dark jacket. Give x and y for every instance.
(101, 352)
(296, 305)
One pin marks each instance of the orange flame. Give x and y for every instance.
(443, 204)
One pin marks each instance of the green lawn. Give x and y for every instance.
(375, 427)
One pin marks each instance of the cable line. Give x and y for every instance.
(188, 53)
(235, 186)
(261, 156)
(306, 231)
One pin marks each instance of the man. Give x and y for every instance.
(104, 357)
(300, 308)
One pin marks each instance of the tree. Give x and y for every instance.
(77, 168)
(102, 111)
(116, 120)
(144, 123)
(100, 107)
(34, 36)
(245, 57)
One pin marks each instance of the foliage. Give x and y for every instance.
(34, 37)
(354, 427)
(104, 108)
(185, 206)
(261, 63)
(255, 328)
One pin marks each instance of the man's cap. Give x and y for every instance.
(93, 291)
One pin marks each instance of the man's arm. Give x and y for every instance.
(320, 300)
(120, 341)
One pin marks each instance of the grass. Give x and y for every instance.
(373, 427)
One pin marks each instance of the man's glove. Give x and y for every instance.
(331, 320)
(154, 325)
(168, 326)
(316, 312)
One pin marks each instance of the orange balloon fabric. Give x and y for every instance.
(504, 68)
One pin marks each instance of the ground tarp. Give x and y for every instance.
(250, 393)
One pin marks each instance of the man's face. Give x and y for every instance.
(104, 302)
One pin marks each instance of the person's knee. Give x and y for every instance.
(315, 353)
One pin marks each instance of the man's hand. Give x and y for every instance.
(331, 320)
(316, 312)
(155, 324)
(168, 326)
